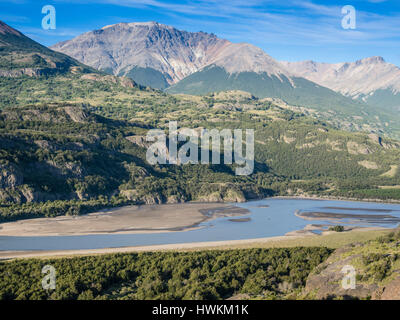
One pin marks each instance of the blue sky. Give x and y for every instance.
(286, 29)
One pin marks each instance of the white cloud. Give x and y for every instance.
(264, 21)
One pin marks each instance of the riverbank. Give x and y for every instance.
(124, 220)
(328, 239)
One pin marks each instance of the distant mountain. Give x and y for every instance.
(371, 80)
(19, 55)
(150, 53)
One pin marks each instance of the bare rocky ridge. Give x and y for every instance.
(244, 57)
(5, 29)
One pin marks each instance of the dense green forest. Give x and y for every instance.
(263, 273)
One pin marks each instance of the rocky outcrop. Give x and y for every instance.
(67, 113)
(227, 195)
(368, 164)
(76, 114)
(355, 148)
(30, 72)
(139, 140)
(232, 195)
(130, 194)
(212, 197)
(152, 199)
(376, 272)
(27, 194)
(390, 291)
(176, 199)
(46, 145)
(326, 280)
(10, 176)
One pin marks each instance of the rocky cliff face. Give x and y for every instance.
(10, 177)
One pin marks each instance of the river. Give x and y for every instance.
(267, 218)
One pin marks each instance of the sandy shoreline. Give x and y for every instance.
(124, 220)
(291, 239)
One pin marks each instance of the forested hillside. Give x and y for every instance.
(59, 158)
(262, 273)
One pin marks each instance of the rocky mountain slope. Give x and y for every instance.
(372, 80)
(22, 56)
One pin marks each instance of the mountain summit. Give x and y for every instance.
(151, 53)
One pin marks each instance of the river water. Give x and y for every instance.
(267, 218)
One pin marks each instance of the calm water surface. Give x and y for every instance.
(268, 218)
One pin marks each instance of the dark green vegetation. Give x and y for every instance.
(147, 77)
(336, 228)
(61, 152)
(268, 273)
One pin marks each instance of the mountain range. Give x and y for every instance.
(161, 56)
(371, 80)
(198, 63)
